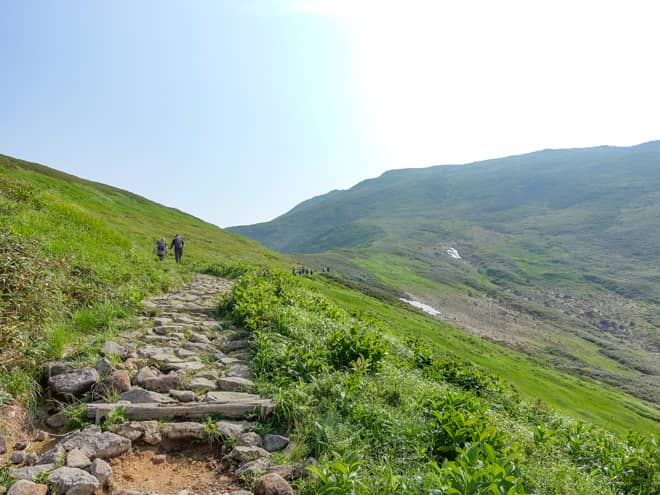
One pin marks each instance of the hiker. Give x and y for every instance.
(161, 249)
(177, 244)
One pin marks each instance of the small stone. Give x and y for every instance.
(272, 484)
(113, 348)
(41, 436)
(159, 459)
(25, 487)
(20, 445)
(57, 421)
(17, 457)
(241, 492)
(275, 442)
(76, 459)
(71, 481)
(183, 395)
(183, 492)
(3, 445)
(103, 366)
(249, 439)
(101, 470)
(30, 459)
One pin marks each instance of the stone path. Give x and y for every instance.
(156, 387)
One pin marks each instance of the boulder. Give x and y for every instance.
(113, 348)
(150, 379)
(101, 470)
(25, 487)
(73, 383)
(75, 458)
(56, 455)
(249, 439)
(138, 395)
(272, 484)
(242, 453)
(71, 481)
(233, 428)
(96, 443)
(251, 469)
(235, 384)
(275, 442)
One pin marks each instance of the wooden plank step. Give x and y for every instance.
(147, 411)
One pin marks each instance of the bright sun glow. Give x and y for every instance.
(447, 82)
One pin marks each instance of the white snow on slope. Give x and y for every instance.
(420, 305)
(453, 253)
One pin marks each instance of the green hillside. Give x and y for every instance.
(559, 252)
(387, 399)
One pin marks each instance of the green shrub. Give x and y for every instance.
(347, 346)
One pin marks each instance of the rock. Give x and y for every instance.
(76, 459)
(204, 383)
(184, 353)
(56, 455)
(101, 470)
(119, 381)
(103, 367)
(151, 379)
(41, 436)
(221, 397)
(239, 369)
(113, 348)
(159, 459)
(286, 471)
(139, 395)
(152, 434)
(30, 459)
(241, 492)
(243, 453)
(17, 457)
(187, 430)
(71, 481)
(96, 443)
(275, 442)
(25, 487)
(53, 368)
(252, 468)
(209, 374)
(3, 445)
(183, 395)
(235, 384)
(57, 421)
(130, 430)
(73, 383)
(233, 428)
(201, 338)
(249, 439)
(272, 484)
(28, 473)
(20, 445)
(235, 345)
(185, 366)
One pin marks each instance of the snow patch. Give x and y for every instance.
(420, 305)
(454, 253)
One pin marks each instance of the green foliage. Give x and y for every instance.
(347, 346)
(76, 415)
(6, 481)
(211, 431)
(340, 476)
(115, 417)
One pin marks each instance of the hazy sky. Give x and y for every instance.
(235, 111)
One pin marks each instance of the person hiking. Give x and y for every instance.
(177, 244)
(161, 249)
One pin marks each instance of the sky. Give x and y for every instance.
(235, 111)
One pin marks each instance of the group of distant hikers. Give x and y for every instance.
(301, 270)
(177, 245)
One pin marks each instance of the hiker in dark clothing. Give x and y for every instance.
(161, 249)
(177, 244)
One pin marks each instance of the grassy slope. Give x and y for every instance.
(100, 240)
(565, 240)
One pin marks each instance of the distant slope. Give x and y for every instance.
(560, 251)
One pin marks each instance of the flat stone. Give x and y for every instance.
(221, 397)
(185, 366)
(183, 431)
(159, 382)
(147, 431)
(183, 395)
(209, 374)
(233, 428)
(275, 442)
(234, 345)
(25, 487)
(96, 443)
(229, 360)
(204, 383)
(184, 353)
(28, 473)
(272, 484)
(239, 369)
(71, 481)
(76, 459)
(198, 337)
(73, 383)
(235, 384)
(113, 348)
(101, 470)
(138, 395)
